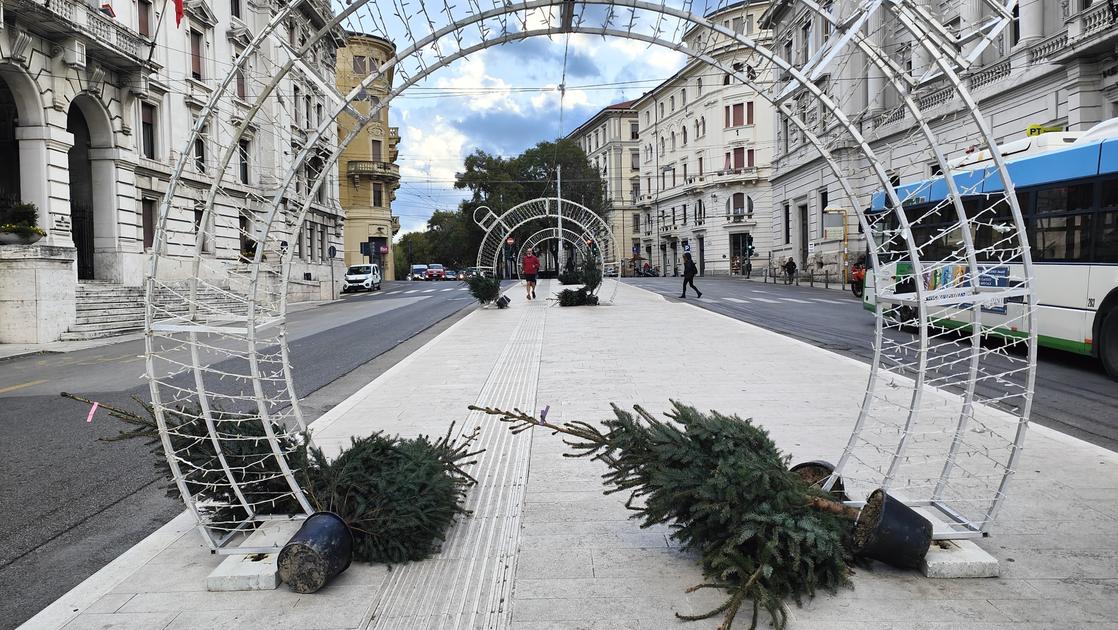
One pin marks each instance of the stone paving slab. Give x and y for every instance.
(573, 558)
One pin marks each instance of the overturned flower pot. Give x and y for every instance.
(890, 531)
(816, 473)
(319, 551)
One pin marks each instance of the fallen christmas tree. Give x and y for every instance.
(765, 535)
(398, 496)
(591, 278)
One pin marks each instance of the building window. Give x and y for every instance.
(739, 25)
(242, 89)
(378, 195)
(196, 54)
(147, 219)
(671, 100)
(749, 158)
(726, 79)
(636, 223)
(634, 158)
(634, 131)
(143, 15)
(235, 8)
(699, 86)
(295, 98)
(805, 41)
(673, 141)
(322, 246)
(823, 202)
(683, 97)
(787, 224)
(703, 124)
(828, 12)
(200, 151)
(749, 113)
(359, 66)
(147, 130)
(378, 152)
(700, 165)
(737, 203)
(1015, 31)
(243, 151)
(735, 115)
(206, 231)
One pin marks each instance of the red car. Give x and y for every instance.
(436, 272)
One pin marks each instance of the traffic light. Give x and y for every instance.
(749, 249)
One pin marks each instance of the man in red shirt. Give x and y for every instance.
(531, 267)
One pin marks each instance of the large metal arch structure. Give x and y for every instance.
(499, 227)
(901, 426)
(577, 240)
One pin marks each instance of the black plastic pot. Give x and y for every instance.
(503, 302)
(816, 473)
(898, 535)
(319, 551)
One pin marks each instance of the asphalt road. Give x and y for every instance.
(71, 504)
(1072, 393)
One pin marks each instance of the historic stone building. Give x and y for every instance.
(1054, 66)
(367, 166)
(96, 103)
(611, 142)
(705, 148)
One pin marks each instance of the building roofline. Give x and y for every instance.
(623, 106)
(377, 38)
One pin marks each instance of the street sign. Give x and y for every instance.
(332, 251)
(811, 247)
(687, 247)
(384, 249)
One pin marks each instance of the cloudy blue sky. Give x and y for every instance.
(505, 99)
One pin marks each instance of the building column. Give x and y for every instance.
(1031, 22)
(921, 59)
(44, 180)
(875, 78)
(108, 211)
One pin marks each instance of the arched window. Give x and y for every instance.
(661, 146)
(703, 124)
(696, 127)
(673, 141)
(726, 79)
(699, 86)
(685, 136)
(736, 204)
(749, 206)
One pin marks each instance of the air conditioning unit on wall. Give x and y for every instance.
(73, 53)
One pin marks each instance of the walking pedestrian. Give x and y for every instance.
(689, 273)
(748, 268)
(790, 270)
(530, 268)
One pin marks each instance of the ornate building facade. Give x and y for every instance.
(705, 150)
(1054, 66)
(96, 103)
(367, 166)
(611, 140)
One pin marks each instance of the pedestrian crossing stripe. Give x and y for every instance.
(826, 301)
(412, 291)
(428, 290)
(795, 300)
(736, 300)
(447, 289)
(766, 300)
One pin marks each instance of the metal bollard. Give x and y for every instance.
(827, 278)
(811, 277)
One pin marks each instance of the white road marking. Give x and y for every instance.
(767, 300)
(795, 300)
(429, 290)
(827, 301)
(463, 288)
(756, 291)
(736, 300)
(446, 289)
(412, 291)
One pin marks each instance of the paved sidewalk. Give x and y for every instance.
(545, 549)
(15, 350)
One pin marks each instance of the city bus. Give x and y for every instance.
(1067, 188)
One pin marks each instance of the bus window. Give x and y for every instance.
(1078, 198)
(1106, 247)
(1062, 238)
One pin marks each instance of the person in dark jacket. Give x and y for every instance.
(689, 273)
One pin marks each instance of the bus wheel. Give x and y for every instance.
(1108, 343)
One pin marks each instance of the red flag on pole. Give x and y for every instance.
(178, 12)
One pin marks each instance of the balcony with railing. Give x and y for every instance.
(104, 37)
(372, 169)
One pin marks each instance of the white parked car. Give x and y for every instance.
(362, 278)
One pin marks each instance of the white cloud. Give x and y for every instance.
(433, 151)
(549, 100)
(484, 93)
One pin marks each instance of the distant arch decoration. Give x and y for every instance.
(924, 431)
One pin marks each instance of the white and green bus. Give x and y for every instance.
(1067, 187)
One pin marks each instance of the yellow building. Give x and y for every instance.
(367, 170)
